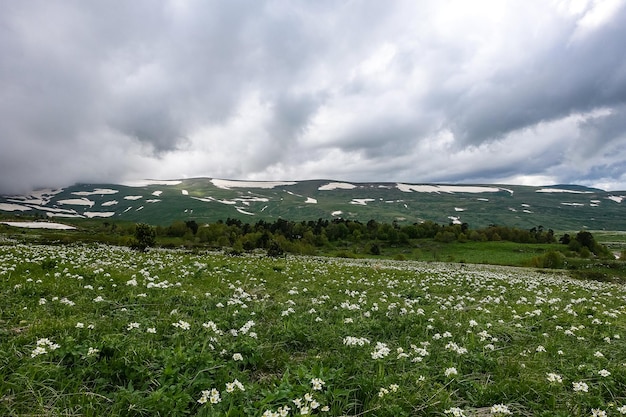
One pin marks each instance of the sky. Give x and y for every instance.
(529, 92)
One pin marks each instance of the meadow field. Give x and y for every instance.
(94, 330)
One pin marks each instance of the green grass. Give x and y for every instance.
(197, 322)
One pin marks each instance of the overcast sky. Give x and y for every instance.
(517, 92)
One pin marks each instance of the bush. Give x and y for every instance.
(145, 236)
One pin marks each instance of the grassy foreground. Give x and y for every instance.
(100, 330)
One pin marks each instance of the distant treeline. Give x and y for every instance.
(306, 236)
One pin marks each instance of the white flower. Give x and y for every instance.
(596, 412)
(151, 330)
(622, 409)
(580, 386)
(317, 384)
(182, 325)
(451, 372)
(133, 325)
(355, 341)
(598, 354)
(380, 351)
(92, 351)
(455, 411)
(552, 377)
(500, 409)
(230, 386)
(80, 325)
(604, 373)
(237, 357)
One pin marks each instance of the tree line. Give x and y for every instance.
(305, 237)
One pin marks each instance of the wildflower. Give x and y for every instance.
(604, 373)
(42, 347)
(382, 392)
(451, 372)
(380, 351)
(214, 397)
(151, 330)
(80, 325)
(455, 411)
(98, 299)
(317, 384)
(552, 377)
(42, 301)
(92, 351)
(327, 408)
(230, 386)
(580, 386)
(500, 409)
(596, 412)
(622, 409)
(598, 354)
(182, 325)
(133, 325)
(354, 341)
(237, 357)
(540, 349)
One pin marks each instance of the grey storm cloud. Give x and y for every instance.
(520, 91)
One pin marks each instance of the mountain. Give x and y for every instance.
(560, 207)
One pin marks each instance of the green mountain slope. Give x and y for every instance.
(562, 207)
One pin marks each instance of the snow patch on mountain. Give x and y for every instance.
(228, 184)
(336, 186)
(425, 188)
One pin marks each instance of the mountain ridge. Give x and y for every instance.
(205, 199)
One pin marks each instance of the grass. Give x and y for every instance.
(153, 334)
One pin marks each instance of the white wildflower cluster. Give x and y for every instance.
(455, 412)
(355, 341)
(181, 324)
(304, 406)
(450, 372)
(456, 348)
(133, 325)
(580, 387)
(212, 396)
(500, 410)
(93, 351)
(44, 346)
(384, 391)
(317, 384)
(230, 386)
(212, 326)
(380, 351)
(554, 378)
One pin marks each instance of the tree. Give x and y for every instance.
(145, 236)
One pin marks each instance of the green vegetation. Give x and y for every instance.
(537, 247)
(97, 330)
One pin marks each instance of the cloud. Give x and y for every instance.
(430, 91)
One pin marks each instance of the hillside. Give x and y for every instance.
(561, 207)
